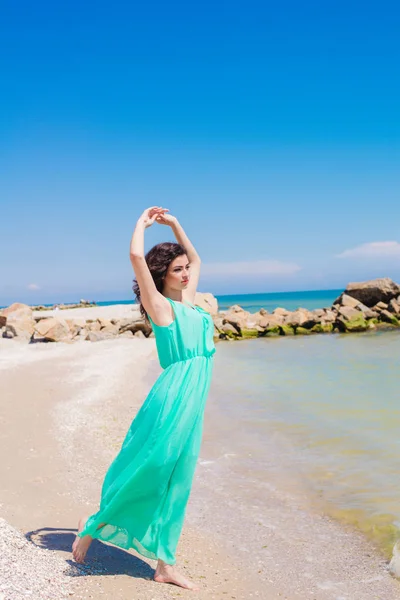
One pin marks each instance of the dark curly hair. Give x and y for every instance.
(158, 259)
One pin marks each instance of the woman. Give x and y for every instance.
(146, 488)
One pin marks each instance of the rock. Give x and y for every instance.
(218, 322)
(381, 306)
(349, 301)
(282, 312)
(112, 329)
(367, 312)
(389, 317)
(357, 323)
(75, 326)
(394, 306)
(234, 321)
(249, 333)
(127, 334)
(287, 330)
(330, 316)
(3, 320)
(17, 310)
(98, 336)
(373, 291)
(271, 321)
(303, 331)
(93, 325)
(242, 320)
(272, 331)
(53, 330)
(263, 311)
(301, 318)
(83, 333)
(207, 301)
(236, 308)
(349, 313)
(104, 322)
(134, 324)
(229, 329)
(9, 332)
(78, 322)
(257, 317)
(19, 317)
(322, 328)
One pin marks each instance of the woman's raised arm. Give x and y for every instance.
(193, 257)
(150, 297)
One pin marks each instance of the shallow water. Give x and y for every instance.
(324, 409)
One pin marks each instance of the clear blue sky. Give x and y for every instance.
(271, 130)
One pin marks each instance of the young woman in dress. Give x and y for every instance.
(147, 486)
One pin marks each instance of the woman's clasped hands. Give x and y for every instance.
(157, 214)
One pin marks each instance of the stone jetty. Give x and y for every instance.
(362, 306)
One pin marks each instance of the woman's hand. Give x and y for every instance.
(165, 219)
(150, 215)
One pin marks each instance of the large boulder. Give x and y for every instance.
(356, 324)
(17, 318)
(371, 292)
(271, 321)
(53, 330)
(348, 313)
(301, 318)
(133, 324)
(229, 330)
(98, 336)
(206, 301)
(242, 319)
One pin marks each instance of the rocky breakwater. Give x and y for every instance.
(362, 306)
(81, 304)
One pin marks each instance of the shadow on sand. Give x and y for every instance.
(101, 558)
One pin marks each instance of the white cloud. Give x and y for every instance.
(33, 286)
(373, 250)
(250, 268)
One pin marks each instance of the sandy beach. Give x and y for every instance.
(65, 409)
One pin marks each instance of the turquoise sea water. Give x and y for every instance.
(269, 301)
(288, 300)
(335, 400)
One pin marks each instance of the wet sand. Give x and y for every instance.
(65, 409)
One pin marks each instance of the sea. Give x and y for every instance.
(320, 412)
(269, 301)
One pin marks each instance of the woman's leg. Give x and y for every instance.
(166, 573)
(81, 544)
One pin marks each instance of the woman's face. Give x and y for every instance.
(178, 273)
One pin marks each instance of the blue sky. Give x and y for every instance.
(271, 131)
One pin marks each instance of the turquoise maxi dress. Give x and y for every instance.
(147, 486)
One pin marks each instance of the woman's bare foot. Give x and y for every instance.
(168, 574)
(81, 544)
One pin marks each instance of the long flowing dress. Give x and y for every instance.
(147, 486)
